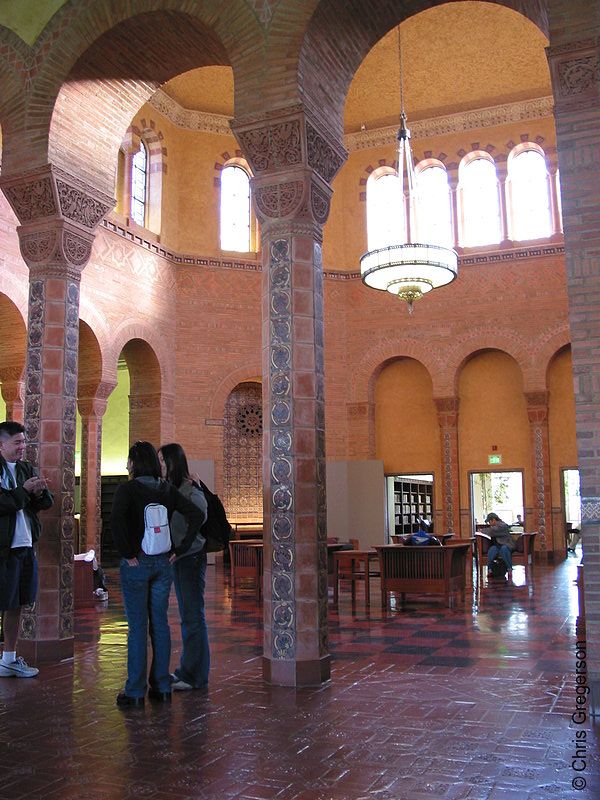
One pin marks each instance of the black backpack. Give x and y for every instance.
(498, 568)
(216, 530)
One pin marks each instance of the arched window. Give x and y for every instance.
(235, 209)
(528, 194)
(434, 210)
(480, 201)
(139, 184)
(386, 212)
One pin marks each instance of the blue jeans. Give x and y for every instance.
(190, 580)
(146, 590)
(505, 554)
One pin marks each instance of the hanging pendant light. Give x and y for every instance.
(412, 268)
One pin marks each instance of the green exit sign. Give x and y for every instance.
(496, 459)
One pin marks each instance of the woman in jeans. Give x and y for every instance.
(146, 579)
(190, 577)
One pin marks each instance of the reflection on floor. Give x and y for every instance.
(471, 702)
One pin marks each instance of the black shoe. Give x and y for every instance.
(160, 697)
(125, 700)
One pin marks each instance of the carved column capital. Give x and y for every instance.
(447, 410)
(56, 247)
(537, 406)
(91, 407)
(51, 193)
(293, 158)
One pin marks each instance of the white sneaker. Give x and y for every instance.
(181, 686)
(18, 669)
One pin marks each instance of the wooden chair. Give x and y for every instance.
(244, 562)
(347, 567)
(524, 553)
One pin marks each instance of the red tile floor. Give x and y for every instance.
(427, 702)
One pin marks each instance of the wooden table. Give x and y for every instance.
(353, 565)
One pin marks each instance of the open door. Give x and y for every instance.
(571, 507)
(500, 492)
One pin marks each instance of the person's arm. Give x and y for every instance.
(195, 519)
(13, 500)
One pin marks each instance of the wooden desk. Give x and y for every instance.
(353, 565)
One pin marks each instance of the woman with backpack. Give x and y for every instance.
(189, 572)
(141, 512)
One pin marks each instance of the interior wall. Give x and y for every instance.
(492, 413)
(406, 426)
(561, 430)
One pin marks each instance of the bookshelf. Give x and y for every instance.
(413, 499)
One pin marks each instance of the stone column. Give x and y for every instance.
(537, 412)
(293, 161)
(574, 57)
(456, 222)
(92, 410)
(447, 411)
(502, 172)
(58, 214)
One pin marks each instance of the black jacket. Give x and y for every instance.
(127, 516)
(19, 499)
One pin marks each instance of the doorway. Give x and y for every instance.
(498, 492)
(410, 500)
(571, 492)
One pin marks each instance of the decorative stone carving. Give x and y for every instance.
(321, 156)
(286, 138)
(538, 108)
(77, 249)
(319, 204)
(255, 144)
(79, 206)
(577, 76)
(188, 119)
(276, 145)
(280, 199)
(590, 510)
(38, 247)
(281, 490)
(32, 199)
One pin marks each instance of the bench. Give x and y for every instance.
(422, 570)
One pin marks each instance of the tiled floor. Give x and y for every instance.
(428, 702)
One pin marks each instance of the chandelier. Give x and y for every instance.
(411, 268)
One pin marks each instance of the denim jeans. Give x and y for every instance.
(146, 590)
(190, 580)
(504, 551)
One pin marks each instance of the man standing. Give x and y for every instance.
(22, 494)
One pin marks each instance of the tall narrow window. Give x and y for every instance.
(139, 184)
(235, 209)
(480, 202)
(529, 193)
(386, 220)
(434, 215)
